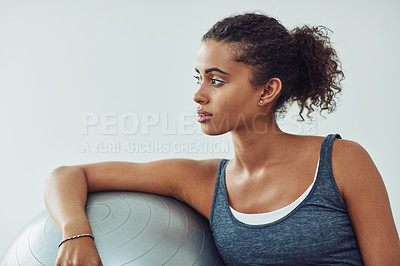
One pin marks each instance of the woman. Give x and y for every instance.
(282, 199)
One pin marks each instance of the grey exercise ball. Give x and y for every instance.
(130, 228)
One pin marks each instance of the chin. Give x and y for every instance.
(212, 132)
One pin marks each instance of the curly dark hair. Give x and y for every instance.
(303, 59)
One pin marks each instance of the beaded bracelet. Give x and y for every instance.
(73, 237)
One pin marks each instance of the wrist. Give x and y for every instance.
(74, 237)
(75, 227)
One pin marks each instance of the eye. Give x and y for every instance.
(216, 82)
(198, 82)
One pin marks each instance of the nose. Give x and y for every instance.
(200, 96)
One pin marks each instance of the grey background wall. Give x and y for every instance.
(89, 81)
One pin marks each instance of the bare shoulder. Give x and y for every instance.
(191, 171)
(198, 168)
(352, 164)
(367, 202)
(197, 186)
(349, 148)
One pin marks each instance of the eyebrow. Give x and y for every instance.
(208, 70)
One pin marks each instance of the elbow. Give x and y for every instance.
(60, 177)
(56, 174)
(57, 171)
(62, 171)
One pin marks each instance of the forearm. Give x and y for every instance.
(65, 198)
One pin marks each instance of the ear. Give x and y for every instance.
(269, 91)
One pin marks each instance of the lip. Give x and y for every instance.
(203, 116)
(202, 112)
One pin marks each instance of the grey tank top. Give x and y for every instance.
(318, 231)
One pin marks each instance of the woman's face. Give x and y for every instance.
(225, 92)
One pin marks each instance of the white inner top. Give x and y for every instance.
(269, 217)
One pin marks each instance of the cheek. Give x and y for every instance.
(239, 99)
(226, 105)
(233, 113)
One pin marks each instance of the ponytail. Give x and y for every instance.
(319, 70)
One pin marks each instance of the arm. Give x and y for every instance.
(67, 187)
(364, 192)
(65, 198)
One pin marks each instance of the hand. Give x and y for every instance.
(79, 251)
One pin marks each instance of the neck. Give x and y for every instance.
(258, 146)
